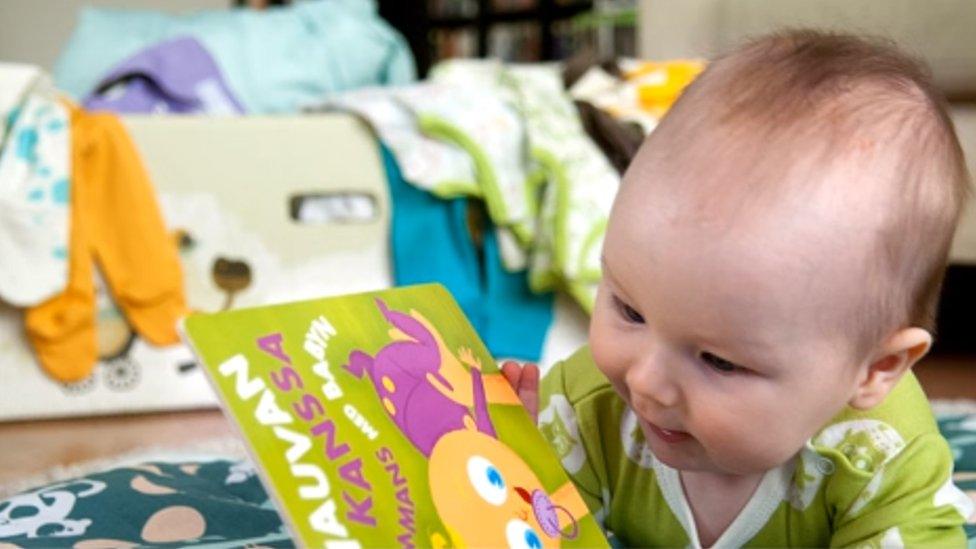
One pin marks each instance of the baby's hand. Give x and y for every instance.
(525, 380)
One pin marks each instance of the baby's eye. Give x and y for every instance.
(628, 312)
(719, 363)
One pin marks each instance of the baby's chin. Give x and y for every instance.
(692, 456)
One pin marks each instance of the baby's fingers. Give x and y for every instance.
(513, 373)
(528, 390)
(524, 380)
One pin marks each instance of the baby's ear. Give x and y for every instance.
(898, 353)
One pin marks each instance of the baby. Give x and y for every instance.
(770, 275)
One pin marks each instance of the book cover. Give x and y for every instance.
(380, 420)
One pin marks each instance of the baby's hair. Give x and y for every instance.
(797, 104)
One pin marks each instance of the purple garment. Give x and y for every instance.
(176, 76)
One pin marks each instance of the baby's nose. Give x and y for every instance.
(650, 381)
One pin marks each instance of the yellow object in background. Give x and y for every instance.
(644, 91)
(660, 83)
(115, 221)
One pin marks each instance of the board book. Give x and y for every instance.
(380, 420)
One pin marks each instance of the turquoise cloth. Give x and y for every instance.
(431, 243)
(275, 61)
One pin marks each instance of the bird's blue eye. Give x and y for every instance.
(532, 540)
(495, 477)
(487, 480)
(521, 535)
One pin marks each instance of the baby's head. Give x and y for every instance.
(777, 247)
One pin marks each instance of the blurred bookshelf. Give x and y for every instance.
(609, 29)
(512, 30)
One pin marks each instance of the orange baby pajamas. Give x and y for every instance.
(115, 221)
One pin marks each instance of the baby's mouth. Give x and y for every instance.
(670, 436)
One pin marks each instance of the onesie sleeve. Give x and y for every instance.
(565, 425)
(909, 501)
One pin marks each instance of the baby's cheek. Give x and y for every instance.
(608, 352)
(613, 372)
(741, 438)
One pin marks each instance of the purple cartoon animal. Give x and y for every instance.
(408, 380)
(419, 381)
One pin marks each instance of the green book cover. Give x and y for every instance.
(380, 420)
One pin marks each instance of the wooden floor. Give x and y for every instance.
(30, 448)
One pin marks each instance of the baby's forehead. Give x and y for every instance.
(821, 237)
(767, 279)
(822, 224)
